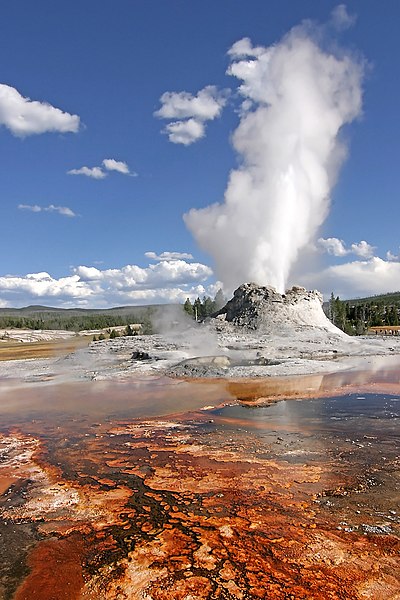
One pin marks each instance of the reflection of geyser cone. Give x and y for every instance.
(263, 308)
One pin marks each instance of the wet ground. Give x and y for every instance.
(160, 489)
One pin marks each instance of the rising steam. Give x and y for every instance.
(297, 97)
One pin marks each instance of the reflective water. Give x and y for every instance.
(167, 489)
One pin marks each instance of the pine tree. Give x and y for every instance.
(208, 307)
(188, 307)
(197, 309)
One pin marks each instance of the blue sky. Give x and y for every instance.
(70, 238)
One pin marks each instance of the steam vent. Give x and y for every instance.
(263, 308)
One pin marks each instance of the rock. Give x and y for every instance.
(201, 366)
(255, 307)
(140, 355)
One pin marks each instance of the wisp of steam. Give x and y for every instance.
(297, 97)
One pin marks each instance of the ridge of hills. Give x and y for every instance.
(388, 297)
(76, 318)
(34, 309)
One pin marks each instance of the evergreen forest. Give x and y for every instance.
(356, 316)
(81, 320)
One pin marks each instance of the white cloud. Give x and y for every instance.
(169, 256)
(341, 19)
(165, 281)
(357, 279)
(61, 210)
(185, 132)
(392, 257)
(88, 273)
(333, 246)
(94, 172)
(162, 273)
(207, 105)
(337, 247)
(244, 48)
(191, 111)
(110, 164)
(363, 249)
(117, 165)
(42, 285)
(23, 116)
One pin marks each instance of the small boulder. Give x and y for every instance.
(140, 355)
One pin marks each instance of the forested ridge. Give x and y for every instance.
(356, 316)
(353, 316)
(76, 319)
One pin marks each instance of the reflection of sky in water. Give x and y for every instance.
(91, 401)
(352, 413)
(104, 400)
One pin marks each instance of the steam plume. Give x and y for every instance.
(297, 97)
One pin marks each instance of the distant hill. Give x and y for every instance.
(357, 315)
(388, 299)
(78, 319)
(36, 310)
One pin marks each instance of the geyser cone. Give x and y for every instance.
(263, 307)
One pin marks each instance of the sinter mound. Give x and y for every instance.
(257, 307)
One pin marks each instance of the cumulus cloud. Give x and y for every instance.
(117, 165)
(205, 106)
(357, 278)
(61, 210)
(191, 113)
(42, 285)
(341, 19)
(333, 246)
(110, 164)
(392, 257)
(169, 256)
(23, 116)
(165, 281)
(337, 247)
(363, 249)
(185, 132)
(94, 172)
(243, 48)
(88, 273)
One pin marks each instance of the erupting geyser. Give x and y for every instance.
(297, 97)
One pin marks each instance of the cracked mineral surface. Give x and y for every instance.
(159, 489)
(227, 480)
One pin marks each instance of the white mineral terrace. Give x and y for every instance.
(258, 334)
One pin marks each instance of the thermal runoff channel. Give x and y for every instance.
(296, 98)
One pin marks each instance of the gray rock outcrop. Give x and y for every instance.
(255, 307)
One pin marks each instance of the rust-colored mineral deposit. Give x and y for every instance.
(295, 500)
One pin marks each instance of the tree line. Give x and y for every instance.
(355, 317)
(55, 321)
(113, 333)
(201, 309)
